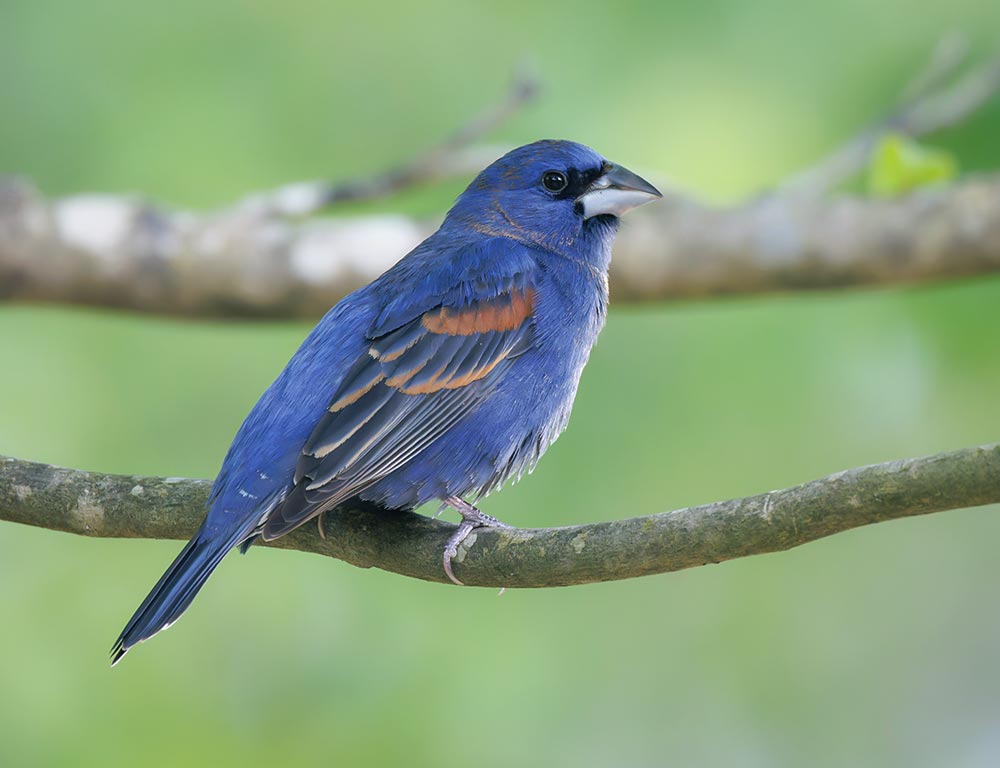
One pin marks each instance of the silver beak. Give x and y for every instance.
(615, 192)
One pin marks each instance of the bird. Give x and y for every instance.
(439, 381)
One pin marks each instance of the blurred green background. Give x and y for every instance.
(875, 647)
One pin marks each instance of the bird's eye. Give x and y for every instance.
(554, 181)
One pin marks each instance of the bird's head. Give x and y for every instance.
(549, 193)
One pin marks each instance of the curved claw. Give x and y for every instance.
(319, 525)
(451, 548)
(472, 518)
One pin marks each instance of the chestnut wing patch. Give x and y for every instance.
(414, 384)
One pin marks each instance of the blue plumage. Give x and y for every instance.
(446, 376)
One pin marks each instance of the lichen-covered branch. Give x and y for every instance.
(94, 504)
(122, 252)
(260, 258)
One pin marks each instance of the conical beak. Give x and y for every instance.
(616, 191)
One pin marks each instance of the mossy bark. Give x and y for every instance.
(104, 505)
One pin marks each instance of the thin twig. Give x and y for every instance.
(949, 55)
(453, 157)
(939, 97)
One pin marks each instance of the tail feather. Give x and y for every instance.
(174, 591)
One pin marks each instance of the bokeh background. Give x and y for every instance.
(876, 647)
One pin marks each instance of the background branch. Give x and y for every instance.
(121, 252)
(94, 504)
(259, 259)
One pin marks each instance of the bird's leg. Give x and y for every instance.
(472, 518)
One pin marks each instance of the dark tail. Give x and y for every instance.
(174, 591)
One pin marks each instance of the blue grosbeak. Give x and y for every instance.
(447, 375)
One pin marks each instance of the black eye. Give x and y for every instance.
(554, 181)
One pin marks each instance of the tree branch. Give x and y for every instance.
(121, 252)
(257, 259)
(94, 504)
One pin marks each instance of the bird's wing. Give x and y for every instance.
(413, 384)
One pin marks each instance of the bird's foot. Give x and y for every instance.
(472, 518)
(319, 525)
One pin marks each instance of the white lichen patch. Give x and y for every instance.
(22, 492)
(89, 514)
(298, 199)
(766, 513)
(464, 547)
(578, 542)
(96, 224)
(328, 251)
(137, 490)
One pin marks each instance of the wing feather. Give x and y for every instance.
(414, 383)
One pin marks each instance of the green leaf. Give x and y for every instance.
(899, 165)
